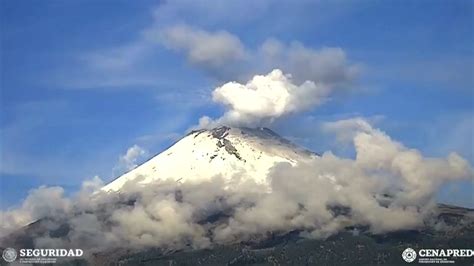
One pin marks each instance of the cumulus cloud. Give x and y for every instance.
(265, 98)
(130, 159)
(299, 79)
(387, 187)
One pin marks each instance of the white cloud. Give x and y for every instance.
(311, 75)
(130, 159)
(265, 98)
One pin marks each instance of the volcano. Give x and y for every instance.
(235, 154)
(223, 151)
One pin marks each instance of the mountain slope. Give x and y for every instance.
(225, 151)
(353, 246)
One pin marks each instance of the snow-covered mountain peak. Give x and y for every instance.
(203, 154)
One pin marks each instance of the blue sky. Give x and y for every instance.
(82, 81)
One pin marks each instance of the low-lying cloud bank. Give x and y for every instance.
(386, 187)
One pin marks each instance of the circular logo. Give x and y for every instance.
(9, 254)
(409, 255)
